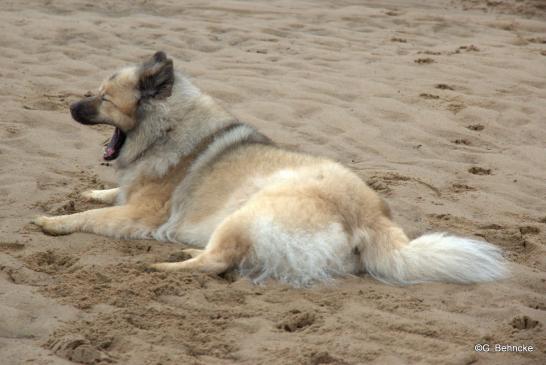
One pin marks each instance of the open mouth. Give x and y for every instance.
(113, 148)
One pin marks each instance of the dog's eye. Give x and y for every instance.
(103, 98)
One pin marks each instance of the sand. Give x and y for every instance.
(439, 105)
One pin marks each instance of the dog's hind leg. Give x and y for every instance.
(107, 196)
(118, 222)
(227, 247)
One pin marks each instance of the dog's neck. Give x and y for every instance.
(171, 129)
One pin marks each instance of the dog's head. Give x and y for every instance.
(122, 94)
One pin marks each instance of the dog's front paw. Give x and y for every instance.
(89, 195)
(51, 225)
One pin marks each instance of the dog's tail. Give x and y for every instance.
(391, 257)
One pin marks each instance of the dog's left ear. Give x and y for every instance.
(156, 77)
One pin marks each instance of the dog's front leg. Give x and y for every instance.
(107, 196)
(118, 222)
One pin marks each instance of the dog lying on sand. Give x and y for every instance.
(191, 173)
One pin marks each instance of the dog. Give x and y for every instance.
(191, 173)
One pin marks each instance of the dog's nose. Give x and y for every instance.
(74, 109)
(84, 111)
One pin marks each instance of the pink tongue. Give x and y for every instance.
(109, 152)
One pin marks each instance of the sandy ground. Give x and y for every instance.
(440, 107)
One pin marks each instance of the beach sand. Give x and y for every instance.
(438, 105)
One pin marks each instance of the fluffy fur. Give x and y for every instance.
(191, 173)
(439, 257)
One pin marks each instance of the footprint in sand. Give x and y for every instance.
(462, 141)
(11, 246)
(524, 323)
(11, 131)
(461, 188)
(538, 40)
(49, 262)
(297, 321)
(444, 87)
(529, 230)
(78, 349)
(432, 53)
(476, 170)
(536, 304)
(456, 107)
(429, 96)
(476, 127)
(424, 61)
(471, 48)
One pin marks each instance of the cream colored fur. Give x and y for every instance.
(269, 212)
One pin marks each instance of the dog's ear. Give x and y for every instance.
(156, 77)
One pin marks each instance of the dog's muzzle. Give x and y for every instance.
(85, 110)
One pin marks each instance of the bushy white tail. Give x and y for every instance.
(439, 257)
